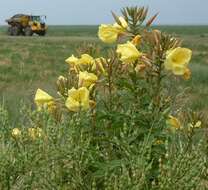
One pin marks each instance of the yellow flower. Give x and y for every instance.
(76, 62)
(78, 99)
(98, 65)
(128, 52)
(72, 60)
(136, 40)
(174, 123)
(35, 133)
(159, 141)
(187, 74)
(16, 133)
(87, 79)
(177, 60)
(198, 124)
(123, 22)
(43, 99)
(108, 33)
(85, 60)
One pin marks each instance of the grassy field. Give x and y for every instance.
(29, 63)
(124, 139)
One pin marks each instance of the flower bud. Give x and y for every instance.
(140, 68)
(61, 85)
(16, 133)
(137, 40)
(187, 74)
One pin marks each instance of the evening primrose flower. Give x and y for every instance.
(87, 79)
(108, 33)
(78, 99)
(42, 99)
(85, 60)
(177, 60)
(128, 52)
(72, 60)
(174, 123)
(16, 133)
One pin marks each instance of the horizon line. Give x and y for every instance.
(186, 24)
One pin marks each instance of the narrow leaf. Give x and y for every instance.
(150, 21)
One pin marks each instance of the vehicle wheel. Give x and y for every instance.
(15, 31)
(9, 31)
(42, 33)
(28, 31)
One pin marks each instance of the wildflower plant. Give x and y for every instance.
(113, 122)
(124, 93)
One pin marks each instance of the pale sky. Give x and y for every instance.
(93, 12)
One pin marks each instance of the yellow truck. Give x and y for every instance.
(27, 25)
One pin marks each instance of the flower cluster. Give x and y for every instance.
(33, 133)
(86, 62)
(87, 71)
(164, 53)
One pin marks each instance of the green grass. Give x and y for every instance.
(29, 63)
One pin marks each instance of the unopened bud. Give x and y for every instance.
(61, 85)
(137, 40)
(187, 74)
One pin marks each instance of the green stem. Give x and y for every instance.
(110, 85)
(157, 95)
